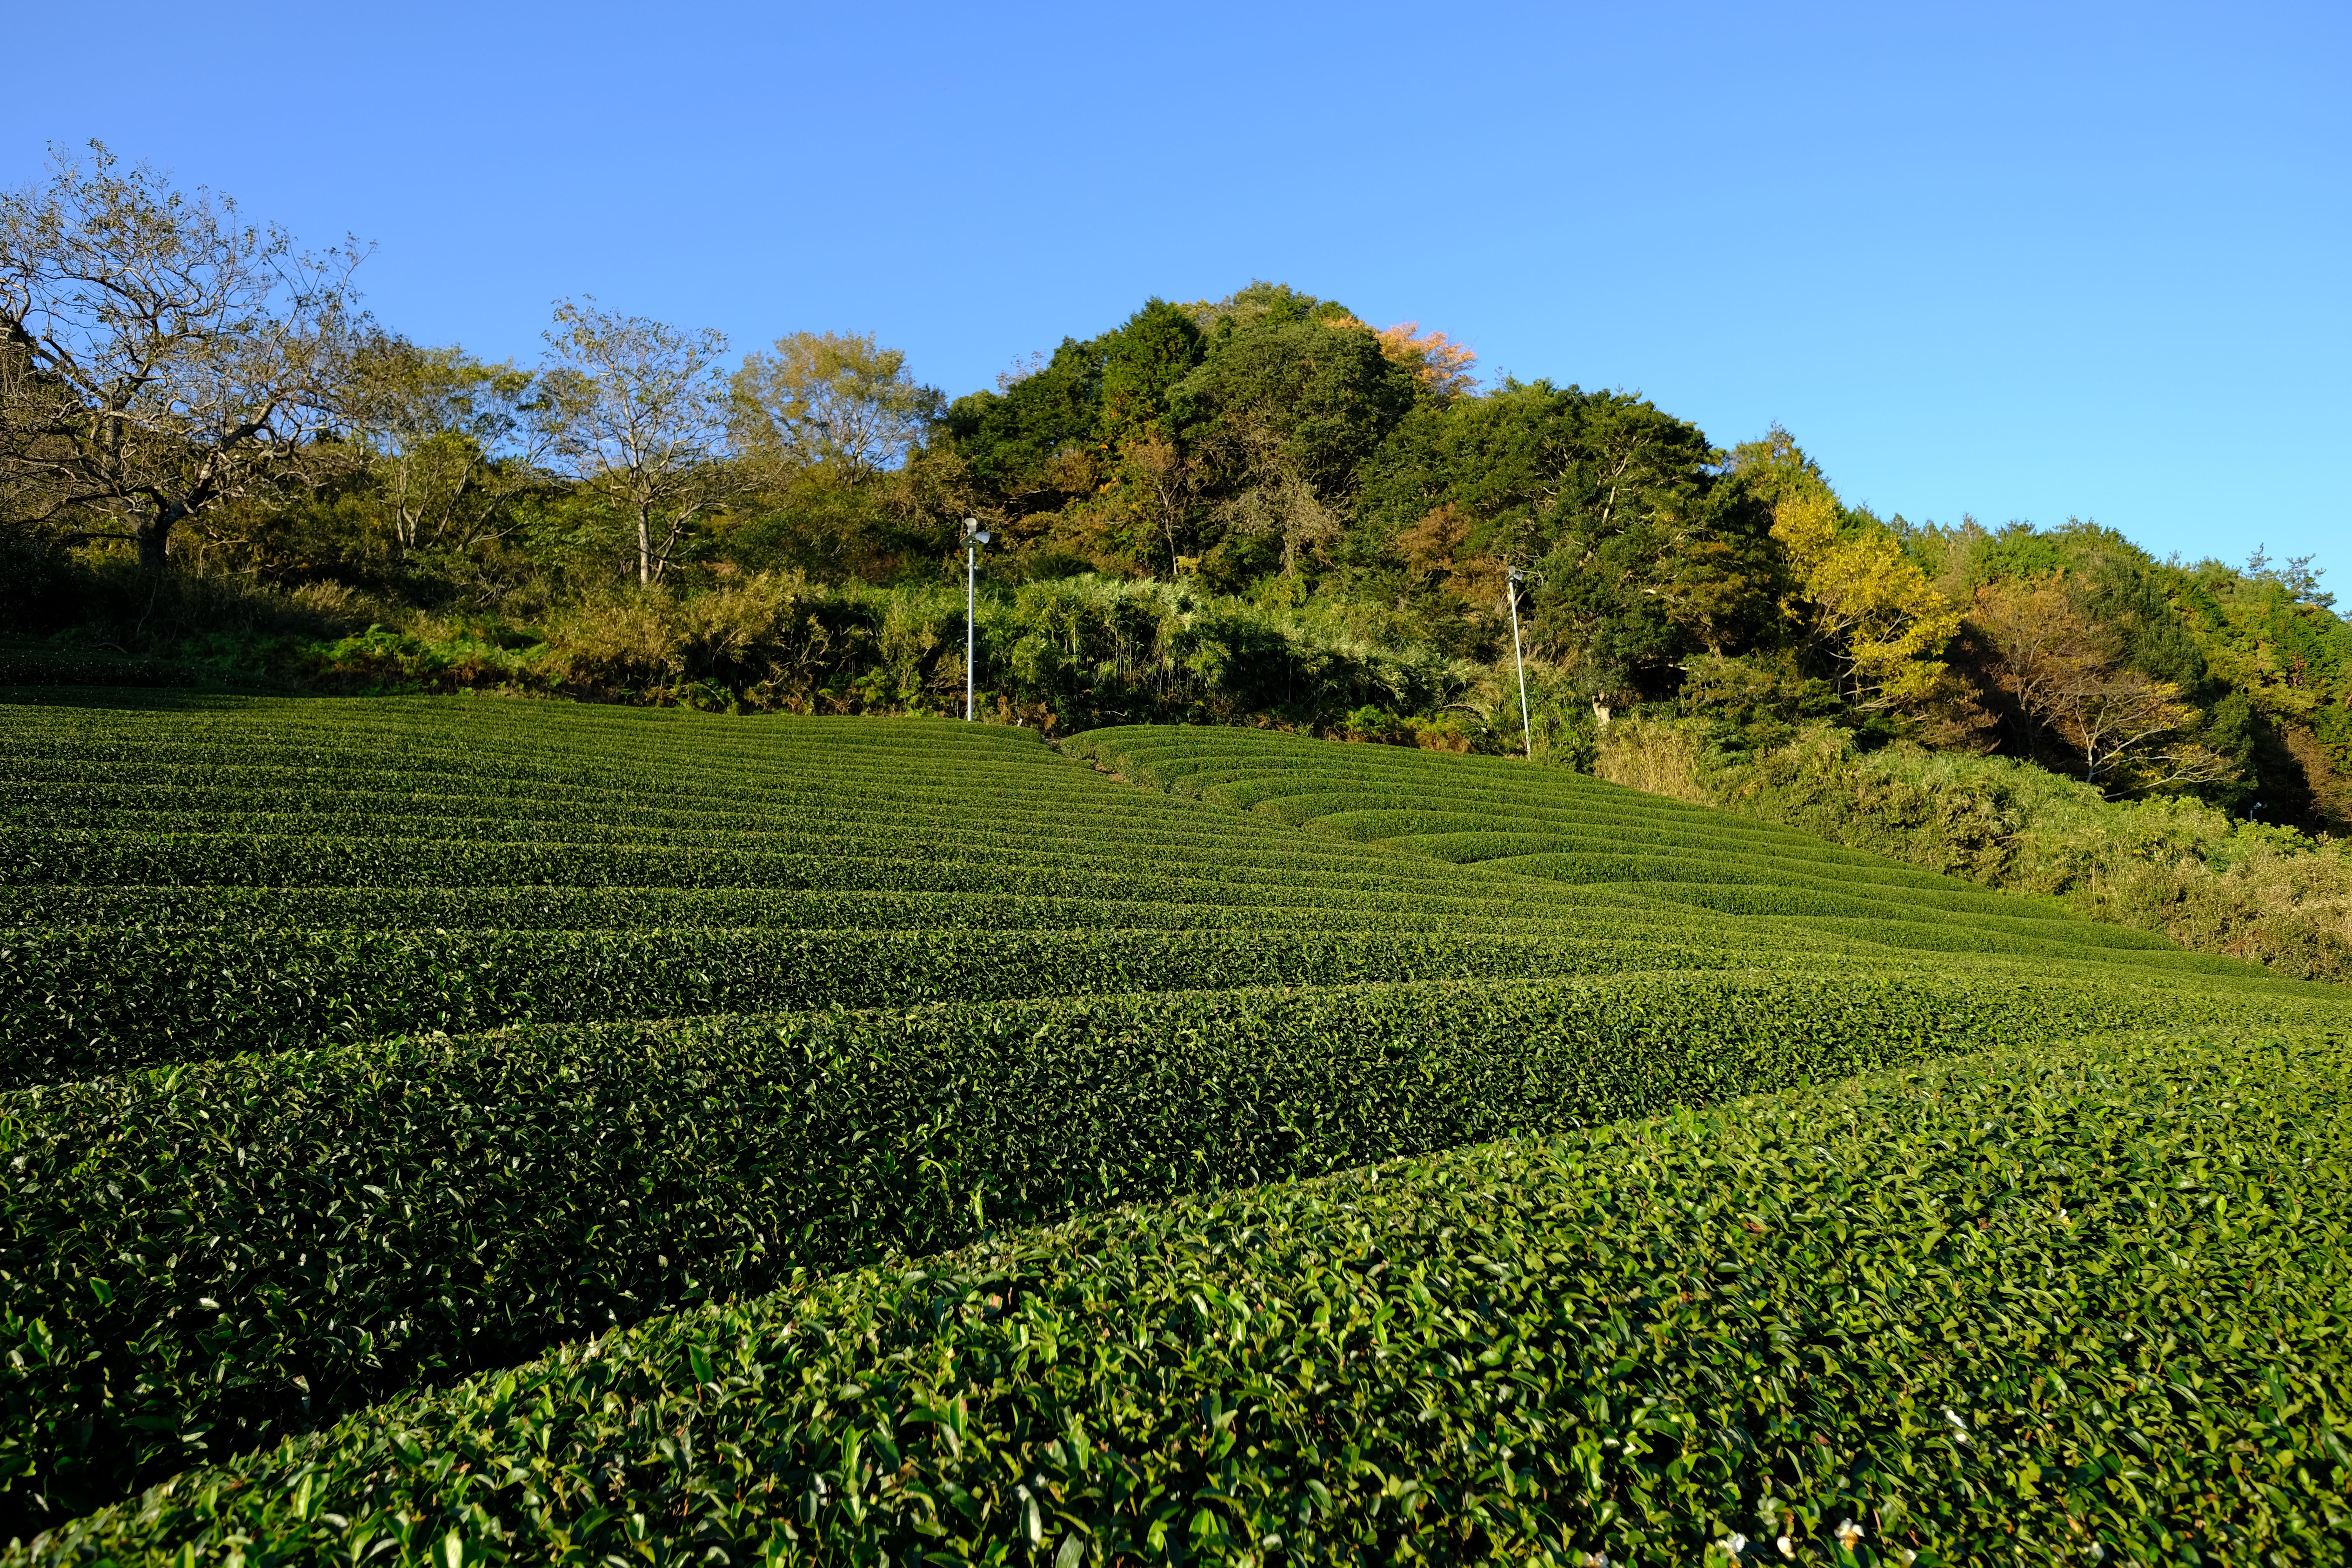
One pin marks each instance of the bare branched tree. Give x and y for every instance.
(1166, 470)
(160, 356)
(1282, 501)
(638, 410)
(2132, 732)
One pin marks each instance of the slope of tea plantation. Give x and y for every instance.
(492, 1131)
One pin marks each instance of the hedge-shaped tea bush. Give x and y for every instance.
(195, 1259)
(84, 1002)
(2071, 1305)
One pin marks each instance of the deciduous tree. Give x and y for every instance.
(436, 421)
(161, 354)
(832, 401)
(2121, 728)
(639, 412)
(1874, 609)
(1446, 369)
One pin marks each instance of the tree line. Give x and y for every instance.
(186, 396)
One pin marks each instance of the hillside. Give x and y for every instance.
(1259, 510)
(1312, 1150)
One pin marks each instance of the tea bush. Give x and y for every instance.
(81, 1002)
(388, 1213)
(2048, 1304)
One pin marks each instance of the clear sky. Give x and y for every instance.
(2016, 260)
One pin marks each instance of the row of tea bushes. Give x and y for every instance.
(82, 1002)
(85, 1001)
(22, 665)
(101, 857)
(197, 1259)
(205, 1256)
(743, 909)
(2075, 1304)
(1544, 826)
(448, 797)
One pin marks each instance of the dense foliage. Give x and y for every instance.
(2247, 889)
(356, 1045)
(1257, 506)
(2093, 1309)
(388, 1213)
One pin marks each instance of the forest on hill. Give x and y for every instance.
(1257, 509)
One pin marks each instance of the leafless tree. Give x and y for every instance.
(1283, 501)
(2130, 731)
(1166, 470)
(638, 410)
(161, 356)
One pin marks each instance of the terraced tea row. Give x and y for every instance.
(2082, 1302)
(387, 1213)
(79, 1003)
(209, 815)
(1495, 816)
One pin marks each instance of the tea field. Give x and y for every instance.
(464, 1131)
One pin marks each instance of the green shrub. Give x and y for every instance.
(2077, 1304)
(83, 1002)
(197, 1259)
(2246, 890)
(204, 1258)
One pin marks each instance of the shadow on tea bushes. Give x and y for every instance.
(2076, 1304)
(195, 1260)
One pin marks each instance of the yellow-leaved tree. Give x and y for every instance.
(1872, 606)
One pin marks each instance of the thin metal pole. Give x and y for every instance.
(1527, 725)
(971, 576)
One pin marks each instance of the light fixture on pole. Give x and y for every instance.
(974, 536)
(1527, 725)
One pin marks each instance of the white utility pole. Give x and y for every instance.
(1527, 724)
(974, 536)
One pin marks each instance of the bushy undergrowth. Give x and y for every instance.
(2049, 1304)
(1060, 655)
(2264, 894)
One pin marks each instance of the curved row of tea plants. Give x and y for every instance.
(77, 1003)
(2051, 1304)
(186, 812)
(1542, 824)
(365, 1218)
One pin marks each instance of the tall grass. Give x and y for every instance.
(2251, 890)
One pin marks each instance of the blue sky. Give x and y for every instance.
(2021, 261)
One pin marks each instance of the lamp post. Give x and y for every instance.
(974, 536)
(1527, 724)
